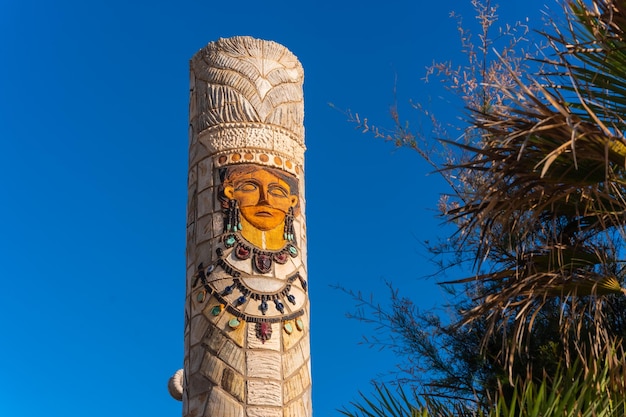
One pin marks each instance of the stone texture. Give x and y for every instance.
(212, 368)
(195, 358)
(305, 345)
(233, 383)
(205, 177)
(197, 384)
(233, 356)
(264, 393)
(200, 325)
(205, 202)
(221, 404)
(204, 228)
(264, 364)
(293, 360)
(264, 412)
(197, 404)
(295, 385)
(296, 409)
(213, 339)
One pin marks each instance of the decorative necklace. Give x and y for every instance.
(237, 295)
(261, 259)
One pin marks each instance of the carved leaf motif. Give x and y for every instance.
(249, 80)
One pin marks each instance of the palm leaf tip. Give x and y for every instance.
(602, 286)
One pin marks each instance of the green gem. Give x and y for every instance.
(230, 240)
(201, 296)
(293, 250)
(234, 323)
(300, 324)
(216, 310)
(288, 328)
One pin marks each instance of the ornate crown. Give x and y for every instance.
(248, 105)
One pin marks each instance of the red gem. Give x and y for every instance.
(281, 257)
(263, 331)
(263, 263)
(242, 252)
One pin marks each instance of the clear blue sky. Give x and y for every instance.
(93, 160)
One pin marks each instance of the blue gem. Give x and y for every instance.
(263, 307)
(291, 299)
(241, 299)
(227, 290)
(279, 306)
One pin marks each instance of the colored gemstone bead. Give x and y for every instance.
(201, 296)
(234, 323)
(279, 306)
(291, 299)
(242, 252)
(230, 241)
(263, 263)
(263, 331)
(288, 328)
(241, 299)
(216, 310)
(281, 257)
(263, 307)
(299, 324)
(227, 290)
(210, 269)
(293, 250)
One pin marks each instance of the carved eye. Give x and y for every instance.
(247, 186)
(278, 191)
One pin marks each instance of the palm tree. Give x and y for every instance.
(571, 392)
(543, 205)
(540, 204)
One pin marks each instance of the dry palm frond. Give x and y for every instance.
(546, 202)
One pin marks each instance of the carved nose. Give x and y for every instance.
(262, 197)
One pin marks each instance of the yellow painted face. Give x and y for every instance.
(264, 199)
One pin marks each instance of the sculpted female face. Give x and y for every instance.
(264, 198)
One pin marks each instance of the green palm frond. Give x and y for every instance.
(570, 392)
(385, 403)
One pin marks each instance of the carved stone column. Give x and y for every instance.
(247, 309)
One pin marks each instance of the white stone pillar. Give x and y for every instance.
(247, 309)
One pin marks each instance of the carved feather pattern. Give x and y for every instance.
(248, 80)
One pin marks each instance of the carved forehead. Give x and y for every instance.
(232, 173)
